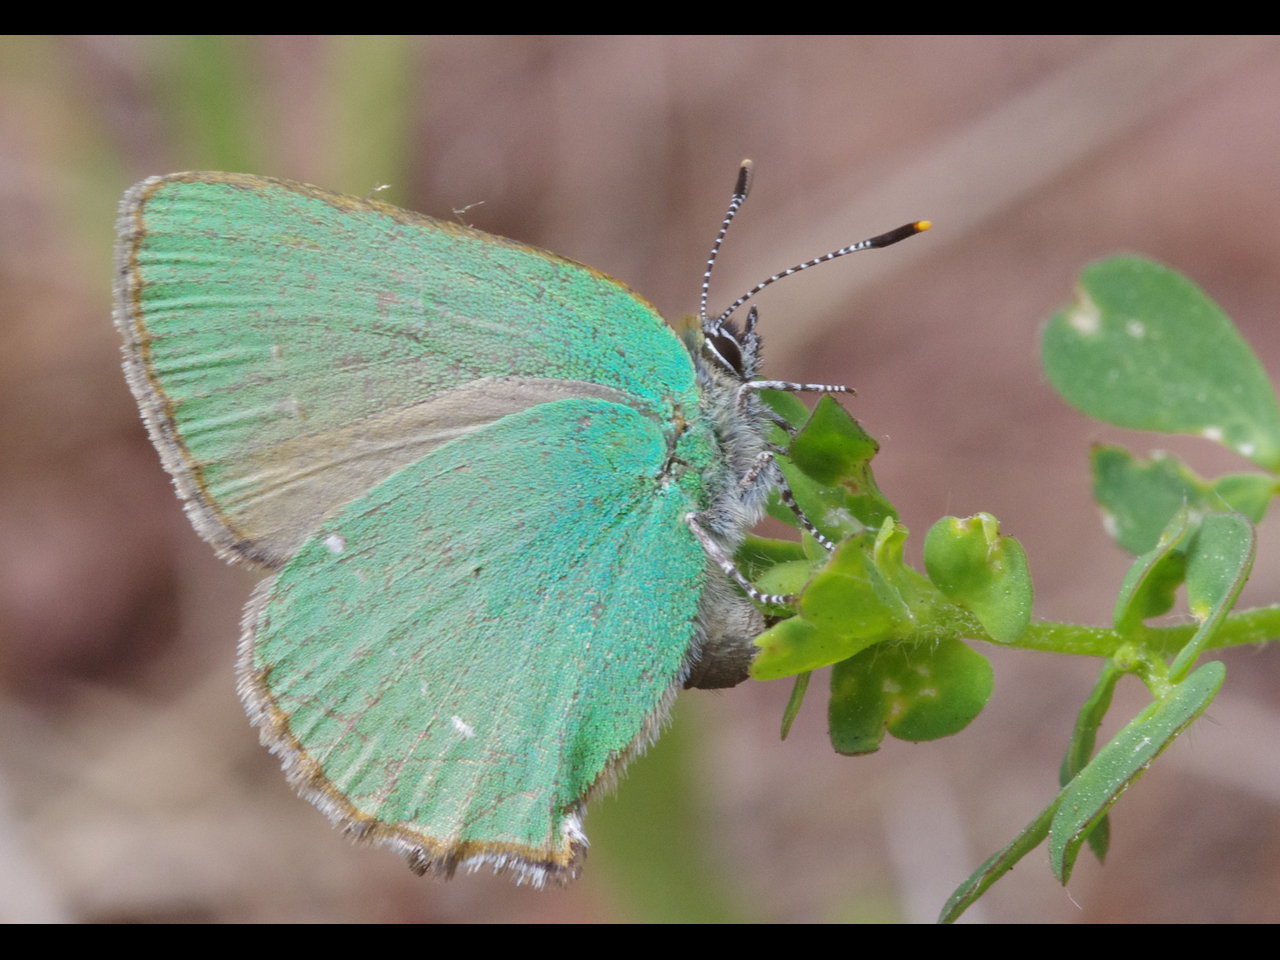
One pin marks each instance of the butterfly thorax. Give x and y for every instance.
(739, 428)
(735, 483)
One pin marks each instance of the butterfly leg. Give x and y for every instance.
(730, 569)
(779, 420)
(788, 498)
(789, 386)
(766, 470)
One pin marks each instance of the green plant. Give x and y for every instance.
(1140, 347)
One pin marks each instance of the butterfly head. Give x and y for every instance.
(735, 351)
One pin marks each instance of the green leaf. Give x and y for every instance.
(916, 691)
(998, 864)
(852, 602)
(1246, 493)
(758, 554)
(847, 598)
(795, 645)
(1087, 722)
(1151, 584)
(1079, 809)
(785, 579)
(775, 566)
(1083, 739)
(827, 507)
(834, 453)
(986, 573)
(786, 405)
(1096, 828)
(794, 701)
(1139, 496)
(1099, 837)
(1092, 792)
(832, 448)
(1143, 347)
(1218, 563)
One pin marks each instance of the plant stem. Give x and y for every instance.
(1244, 627)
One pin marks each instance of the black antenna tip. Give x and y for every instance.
(744, 179)
(904, 231)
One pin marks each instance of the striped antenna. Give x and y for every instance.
(740, 191)
(882, 240)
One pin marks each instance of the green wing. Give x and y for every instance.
(291, 348)
(455, 661)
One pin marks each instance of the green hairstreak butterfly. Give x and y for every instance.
(497, 494)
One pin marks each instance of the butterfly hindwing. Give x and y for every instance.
(291, 348)
(453, 662)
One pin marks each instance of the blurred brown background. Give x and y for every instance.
(131, 786)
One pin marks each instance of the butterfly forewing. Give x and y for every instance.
(292, 347)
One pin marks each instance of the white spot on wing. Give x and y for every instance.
(335, 543)
(1212, 433)
(1135, 329)
(462, 727)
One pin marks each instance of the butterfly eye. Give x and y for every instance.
(723, 346)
